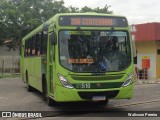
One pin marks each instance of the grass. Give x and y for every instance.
(5, 75)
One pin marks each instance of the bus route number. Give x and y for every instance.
(85, 85)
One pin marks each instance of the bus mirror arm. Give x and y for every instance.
(53, 38)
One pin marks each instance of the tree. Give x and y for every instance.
(19, 17)
(105, 9)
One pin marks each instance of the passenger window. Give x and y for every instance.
(44, 43)
(26, 48)
(33, 45)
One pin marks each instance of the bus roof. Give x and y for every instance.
(88, 14)
(52, 19)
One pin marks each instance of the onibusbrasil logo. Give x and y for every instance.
(22, 114)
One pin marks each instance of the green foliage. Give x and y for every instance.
(19, 17)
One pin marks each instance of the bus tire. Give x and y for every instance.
(44, 88)
(49, 101)
(29, 88)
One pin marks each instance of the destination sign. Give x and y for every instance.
(92, 21)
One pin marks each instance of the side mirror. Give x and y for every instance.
(134, 46)
(53, 38)
(134, 50)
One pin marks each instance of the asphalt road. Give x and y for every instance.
(14, 97)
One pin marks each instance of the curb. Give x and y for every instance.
(147, 82)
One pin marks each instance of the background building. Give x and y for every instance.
(9, 60)
(147, 39)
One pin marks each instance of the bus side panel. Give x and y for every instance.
(22, 69)
(34, 68)
(22, 64)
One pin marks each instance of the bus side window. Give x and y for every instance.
(33, 45)
(38, 44)
(29, 47)
(44, 43)
(26, 48)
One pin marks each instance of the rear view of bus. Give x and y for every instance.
(89, 58)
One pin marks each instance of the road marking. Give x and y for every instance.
(134, 104)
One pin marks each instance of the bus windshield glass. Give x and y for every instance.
(94, 51)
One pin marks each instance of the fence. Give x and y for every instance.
(141, 73)
(9, 64)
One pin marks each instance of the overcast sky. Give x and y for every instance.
(137, 11)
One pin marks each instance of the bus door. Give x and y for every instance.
(51, 64)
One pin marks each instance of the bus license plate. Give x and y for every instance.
(97, 98)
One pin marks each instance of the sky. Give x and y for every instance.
(136, 11)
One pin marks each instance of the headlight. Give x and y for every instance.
(64, 81)
(128, 81)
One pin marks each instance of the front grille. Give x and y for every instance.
(89, 95)
(100, 85)
(108, 77)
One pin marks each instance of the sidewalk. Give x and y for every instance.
(141, 81)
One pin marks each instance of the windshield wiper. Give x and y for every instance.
(82, 33)
(110, 34)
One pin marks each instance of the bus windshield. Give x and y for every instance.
(94, 50)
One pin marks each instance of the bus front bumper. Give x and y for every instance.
(69, 95)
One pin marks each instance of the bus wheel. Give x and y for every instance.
(49, 101)
(29, 88)
(44, 90)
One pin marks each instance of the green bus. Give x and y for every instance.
(79, 57)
